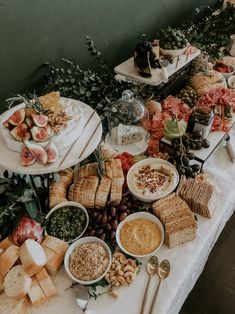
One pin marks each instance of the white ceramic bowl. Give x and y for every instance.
(226, 75)
(72, 204)
(231, 82)
(160, 162)
(134, 216)
(171, 52)
(72, 248)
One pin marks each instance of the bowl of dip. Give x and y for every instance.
(140, 234)
(87, 260)
(67, 221)
(151, 179)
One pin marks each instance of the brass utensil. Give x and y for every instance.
(163, 272)
(152, 267)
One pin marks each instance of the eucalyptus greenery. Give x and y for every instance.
(19, 196)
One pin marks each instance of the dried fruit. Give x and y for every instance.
(6, 124)
(29, 111)
(39, 134)
(37, 151)
(17, 117)
(29, 122)
(20, 132)
(52, 153)
(40, 120)
(26, 156)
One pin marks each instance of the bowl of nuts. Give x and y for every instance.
(87, 260)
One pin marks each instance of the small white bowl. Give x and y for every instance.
(160, 162)
(226, 75)
(171, 52)
(72, 248)
(72, 204)
(231, 82)
(134, 216)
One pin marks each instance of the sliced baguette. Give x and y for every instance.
(36, 295)
(13, 306)
(8, 259)
(4, 244)
(17, 282)
(32, 256)
(46, 283)
(59, 246)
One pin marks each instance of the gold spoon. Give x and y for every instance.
(163, 272)
(152, 267)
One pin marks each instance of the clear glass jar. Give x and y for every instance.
(201, 119)
(124, 120)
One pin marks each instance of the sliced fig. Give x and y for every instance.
(26, 156)
(48, 128)
(52, 153)
(20, 132)
(17, 117)
(40, 120)
(37, 151)
(29, 122)
(39, 134)
(6, 124)
(29, 111)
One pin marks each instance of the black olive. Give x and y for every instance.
(185, 161)
(177, 155)
(189, 172)
(205, 143)
(196, 168)
(192, 145)
(198, 145)
(197, 135)
(181, 170)
(191, 156)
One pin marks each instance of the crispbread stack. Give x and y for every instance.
(91, 191)
(197, 194)
(177, 218)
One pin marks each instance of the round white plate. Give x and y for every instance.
(134, 149)
(86, 142)
(162, 192)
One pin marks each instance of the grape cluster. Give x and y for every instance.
(188, 95)
(181, 156)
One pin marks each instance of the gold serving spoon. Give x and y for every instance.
(163, 272)
(152, 267)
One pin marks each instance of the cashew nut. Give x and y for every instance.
(119, 255)
(121, 280)
(111, 273)
(129, 276)
(113, 293)
(129, 268)
(118, 265)
(120, 272)
(132, 263)
(113, 279)
(117, 284)
(107, 277)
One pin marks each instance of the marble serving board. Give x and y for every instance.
(127, 69)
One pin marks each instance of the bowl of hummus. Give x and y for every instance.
(151, 179)
(140, 234)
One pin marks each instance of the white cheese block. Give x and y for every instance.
(128, 134)
(32, 256)
(17, 282)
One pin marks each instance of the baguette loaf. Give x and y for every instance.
(8, 259)
(46, 283)
(32, 256)
(17, 282)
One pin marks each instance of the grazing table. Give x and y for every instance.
(187, 261)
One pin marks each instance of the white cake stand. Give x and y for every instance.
(79, 147)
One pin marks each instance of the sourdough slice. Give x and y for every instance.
(89, 191)
(4, 244)
(119, 170)
(13, 306)
(46, 283)
(36, 295)
(53, 262)
(102, 192)
(32, 256)
(17, 282)
(8, 259)
(180, 236)
(116, 189)
(108, 169)
(113, 168)
(57, 245)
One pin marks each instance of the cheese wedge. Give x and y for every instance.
(8, 259)
(128, 134)
(17, 282)
(36, 295)
(32, 256)
(46, 283)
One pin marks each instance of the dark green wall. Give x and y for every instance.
(34, 31)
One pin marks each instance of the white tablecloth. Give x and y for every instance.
(187, 261)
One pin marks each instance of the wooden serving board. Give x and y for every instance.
(85, 144)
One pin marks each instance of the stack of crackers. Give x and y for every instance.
(177, 218)
(197, 193)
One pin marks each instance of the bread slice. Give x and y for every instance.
(8, 259)
(180, 236)
(32, 256)
(116, 189)
(17, 282)
(4, 244)
(57, 245)
(13, 306)
(113, 168)
(1, 251)
(119, 170)
(103, 192)
(36, 295)
(46, 283)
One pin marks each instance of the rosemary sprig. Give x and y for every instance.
(101, 162)
(32, 102)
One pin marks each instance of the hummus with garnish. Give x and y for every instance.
(140, 236)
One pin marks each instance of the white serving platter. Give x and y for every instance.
(82, 145)
(127, 69)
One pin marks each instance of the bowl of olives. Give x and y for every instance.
(172, 42)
